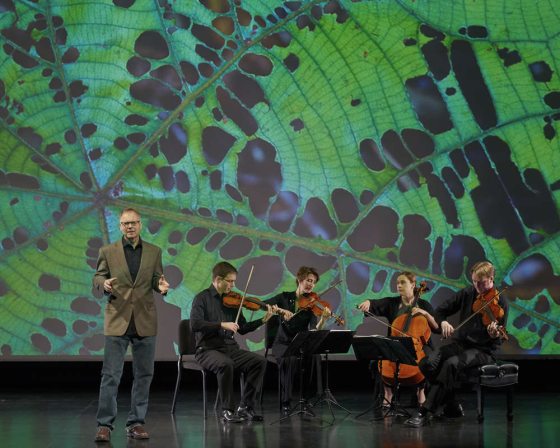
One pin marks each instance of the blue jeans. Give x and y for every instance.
(143, 352)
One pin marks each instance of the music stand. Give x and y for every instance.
(366, 350)
(335, 341)
(304, 343)
(399, 350)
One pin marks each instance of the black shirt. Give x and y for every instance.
(207, 314)
(302, 320)
(133, 257)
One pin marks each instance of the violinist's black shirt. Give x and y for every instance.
(207, 314)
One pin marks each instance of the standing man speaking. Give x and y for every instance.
(127, 272)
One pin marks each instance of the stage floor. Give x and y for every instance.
(67, 419)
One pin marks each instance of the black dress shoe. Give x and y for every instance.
(453, 410)
(286, 408)
(247, 413)
(230, 417)
(418, 421)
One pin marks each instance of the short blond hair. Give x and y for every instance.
(483, 269)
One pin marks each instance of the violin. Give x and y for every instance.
(488, 307)
(311, 301)
(235, 300)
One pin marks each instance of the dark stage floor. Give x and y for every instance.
(67, 419)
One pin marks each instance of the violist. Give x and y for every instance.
(393, 307)
(298, 320)
(473, 344)
(214, 326)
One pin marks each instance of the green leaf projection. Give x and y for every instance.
(359, 137)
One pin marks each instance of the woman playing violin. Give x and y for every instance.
(296, 320)
(474, 343)
(393, 307)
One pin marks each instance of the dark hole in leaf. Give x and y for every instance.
(369, 151)
(236, 247)
(437, 58)
(155, 93)
(80, 327)
(216, 180)
(166, 178)
(54, 326)
(168, 75)
(137, 66)
(477, 32)
(88, 129)
(316, 221)
(215, 144)
(541, 71)
(258, 174)
(208, 36)
(123, 3)
(224, 24)
(41, 343)
(428, 104)
(71, 55)
(378, 228)
(135, 120)
(182, 181)
(174, 145)
(214, 241)
(357, 277)
(345, 205)
(256, 64)
(472, 84)
(173, 275)
(20, 235)
(151, 44)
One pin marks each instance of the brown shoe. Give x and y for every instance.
(137, 432)
(103, 434)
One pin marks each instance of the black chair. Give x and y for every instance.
(186, 360)
(497, 375)
(187, 348)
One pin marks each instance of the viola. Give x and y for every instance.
(311, 301)
(487, 305)
(234, 299)
(417, 328)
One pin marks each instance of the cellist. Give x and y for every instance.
(393, 307)
(473, 344)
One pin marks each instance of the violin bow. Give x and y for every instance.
(374, 317)
(481, 308)
(244, 294)
(335, 284)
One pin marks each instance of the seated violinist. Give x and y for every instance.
(298, 319)
(214, 326)
(474, 341)
(408, 303)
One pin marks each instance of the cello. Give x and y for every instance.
(418, 329)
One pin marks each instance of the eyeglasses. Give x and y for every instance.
(130, 223)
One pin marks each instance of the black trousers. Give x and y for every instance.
(227, 360)
(442, 368)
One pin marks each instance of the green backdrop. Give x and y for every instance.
(360, 137)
